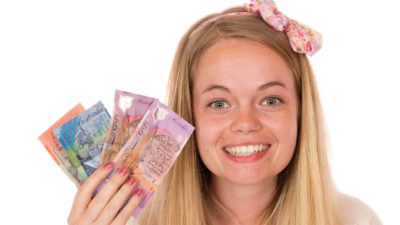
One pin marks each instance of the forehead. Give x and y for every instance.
(241, 60)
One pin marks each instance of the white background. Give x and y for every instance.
(54, 54)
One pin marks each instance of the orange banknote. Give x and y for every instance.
(55, 149)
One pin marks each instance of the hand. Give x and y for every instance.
(112, 204)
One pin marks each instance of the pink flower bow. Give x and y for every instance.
(302, 38)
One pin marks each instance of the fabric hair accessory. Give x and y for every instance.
(302, 39)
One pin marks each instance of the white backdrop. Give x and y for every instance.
(54, 54)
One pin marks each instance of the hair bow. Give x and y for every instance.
(302, 39)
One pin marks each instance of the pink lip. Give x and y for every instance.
(246, 159)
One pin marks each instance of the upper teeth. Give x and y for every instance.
(245, 150)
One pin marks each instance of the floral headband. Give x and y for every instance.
(302, 39)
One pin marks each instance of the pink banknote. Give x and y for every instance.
(153, 148)
(129, 110)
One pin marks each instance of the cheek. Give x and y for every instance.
(205, 145)
(288, 131)
(285, 133)
(208, 127)
(208, 133)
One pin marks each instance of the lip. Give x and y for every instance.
(246, 159)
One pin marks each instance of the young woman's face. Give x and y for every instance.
(245, 107)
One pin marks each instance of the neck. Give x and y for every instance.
(243, 203)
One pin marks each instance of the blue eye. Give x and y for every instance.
(218, 104)
(273, 101)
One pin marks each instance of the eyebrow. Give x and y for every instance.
(216, 87)
(271, 84)
(261, 88)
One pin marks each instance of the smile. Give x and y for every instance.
(246, 150)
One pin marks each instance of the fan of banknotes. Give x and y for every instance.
(142, 135)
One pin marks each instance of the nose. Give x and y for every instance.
(246, 120)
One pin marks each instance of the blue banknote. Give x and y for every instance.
(83, 137)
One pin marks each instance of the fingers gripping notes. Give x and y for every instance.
(114, 203)
(138, 146)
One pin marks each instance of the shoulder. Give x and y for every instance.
(355, 212)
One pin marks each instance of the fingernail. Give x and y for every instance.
(138, 192)
(123, 171)
(131, 180)
(108, 166)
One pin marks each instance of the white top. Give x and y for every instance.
(352, 210)
(355, 212)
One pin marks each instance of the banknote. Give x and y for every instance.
(153, 148)
(83, 136)
(129, 110)
(79, 173)
(55, 149)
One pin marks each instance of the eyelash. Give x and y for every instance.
(212, 103)
(274, 97)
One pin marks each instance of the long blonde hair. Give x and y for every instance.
(305, 192)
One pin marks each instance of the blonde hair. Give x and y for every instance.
(305, 192)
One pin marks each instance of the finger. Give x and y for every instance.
(117, 202)
(85, 192)
(105, 194)
(126, 212)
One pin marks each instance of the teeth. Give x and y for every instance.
(245, 150)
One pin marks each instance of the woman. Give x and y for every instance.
(258, 155)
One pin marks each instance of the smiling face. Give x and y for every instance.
(245, 108)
